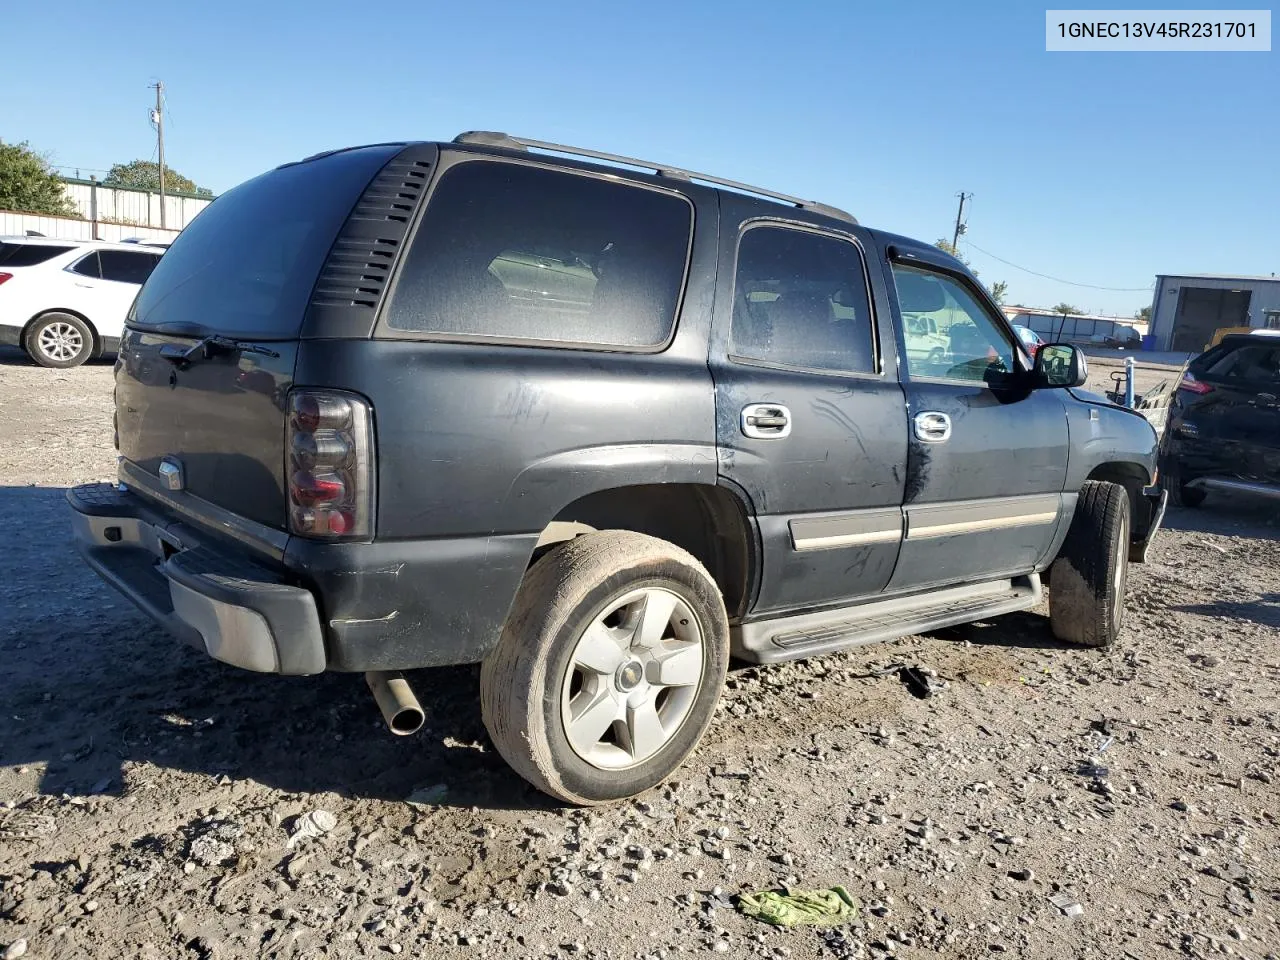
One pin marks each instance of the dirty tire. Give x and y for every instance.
(59, 341)
(522, 681)
(1086, 600)
(1184, 496)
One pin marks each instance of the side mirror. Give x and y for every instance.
(1060, 365)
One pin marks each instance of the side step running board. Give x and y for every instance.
(814, 634)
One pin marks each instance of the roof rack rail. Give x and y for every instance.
(505, 140)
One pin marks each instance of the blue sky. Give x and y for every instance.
(1099, 168)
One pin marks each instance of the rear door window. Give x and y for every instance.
(521, 253)
(800, 300)
(246, 266)
(125, 266)
(29, 254)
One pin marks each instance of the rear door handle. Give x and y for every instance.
(766, 421)
(932, 427)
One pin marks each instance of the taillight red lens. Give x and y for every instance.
(5, 276)
(330, 465)
(310, 490)
(1192, 385)
(339, 523)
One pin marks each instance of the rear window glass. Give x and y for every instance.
(245, 267)
(28, 254)
(522, 253)
(1254, 362)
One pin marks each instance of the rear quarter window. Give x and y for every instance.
(88, 266)
(522, 253)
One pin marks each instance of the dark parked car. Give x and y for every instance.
(1030, 339)
(596, 428)
(1223, 431)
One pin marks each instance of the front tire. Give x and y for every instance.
(609, 668)
(59, 341)
(1090, 575)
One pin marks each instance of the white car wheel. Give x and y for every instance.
(59, 340)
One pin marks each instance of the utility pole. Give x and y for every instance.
(955, 237)
(157, 117)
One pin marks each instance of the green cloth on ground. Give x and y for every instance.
(823, 908)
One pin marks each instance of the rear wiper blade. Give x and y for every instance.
(209, 346)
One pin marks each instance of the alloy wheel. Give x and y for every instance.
(60, 341)
(632, 679)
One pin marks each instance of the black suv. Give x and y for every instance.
(1223, 431)
(596, 424)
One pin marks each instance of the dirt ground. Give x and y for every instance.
(148, 794)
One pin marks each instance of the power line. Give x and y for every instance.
(62, 168)
(1045, 276)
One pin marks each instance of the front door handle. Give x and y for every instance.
(932, 427)
(766, 421)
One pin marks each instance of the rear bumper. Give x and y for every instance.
(235, 610)
(1253, 466)
(308, 606)
(10, 336)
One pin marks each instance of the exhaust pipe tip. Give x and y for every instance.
(406, 721)
(400, 708)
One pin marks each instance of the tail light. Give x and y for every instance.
(1192, 385)
(5, 276)
(330, 465)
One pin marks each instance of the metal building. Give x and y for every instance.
(1188, 309)
(1083, 328)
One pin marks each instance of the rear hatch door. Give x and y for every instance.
(208, 355)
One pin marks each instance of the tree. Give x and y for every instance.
(28, 184)
(946, 246)
(1068, 309)
(1143, 315)
(998, 291)
(145, 175)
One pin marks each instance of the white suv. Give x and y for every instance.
(64, 301)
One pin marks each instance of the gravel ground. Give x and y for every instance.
(148, 794)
